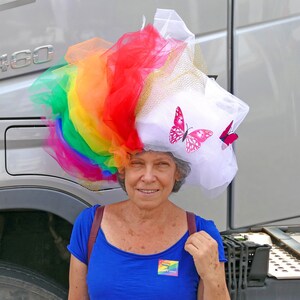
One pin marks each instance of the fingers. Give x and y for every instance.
(201, 239)
(204, 250)
(201, 245)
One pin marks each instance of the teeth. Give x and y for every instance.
(148, 191)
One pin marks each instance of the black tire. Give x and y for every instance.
(18, 283)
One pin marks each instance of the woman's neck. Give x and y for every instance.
(134, 214)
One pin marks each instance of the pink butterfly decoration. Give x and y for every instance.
(193, 140)
(227, 137)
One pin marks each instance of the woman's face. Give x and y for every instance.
(149, 178)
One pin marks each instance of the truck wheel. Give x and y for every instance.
(18, 283)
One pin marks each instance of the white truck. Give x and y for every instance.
(253, 47)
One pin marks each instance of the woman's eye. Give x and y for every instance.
(136, 163)
(163, 164)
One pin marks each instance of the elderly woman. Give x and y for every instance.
(143, 250)
(140, 111)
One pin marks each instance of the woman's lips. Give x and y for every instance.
(148, 191)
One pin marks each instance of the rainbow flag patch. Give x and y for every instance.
(168, 267)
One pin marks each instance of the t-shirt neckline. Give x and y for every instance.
(180, 242)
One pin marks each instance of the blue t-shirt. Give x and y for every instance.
(114, 274)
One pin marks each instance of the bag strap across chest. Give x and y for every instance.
(191, 221)
(95, 228)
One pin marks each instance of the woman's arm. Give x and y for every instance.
(204, 250)
(77, 280)
(214, 289)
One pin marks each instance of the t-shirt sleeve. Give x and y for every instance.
(80, 234)
(210, 227)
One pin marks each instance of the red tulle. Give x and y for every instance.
(132, 59)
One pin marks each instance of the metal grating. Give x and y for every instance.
(282, 263)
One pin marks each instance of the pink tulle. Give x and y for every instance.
(75, 164)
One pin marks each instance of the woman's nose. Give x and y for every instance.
(148, 174)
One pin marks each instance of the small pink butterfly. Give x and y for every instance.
(193, 139)
(227, 137)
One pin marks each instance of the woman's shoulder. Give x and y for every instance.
(202, 221)
(81, 232)
(210, 227)
(86, 216)
(207, 225)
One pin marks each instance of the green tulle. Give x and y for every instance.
(51, 90)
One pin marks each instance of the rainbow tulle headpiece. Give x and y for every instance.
(143, 92)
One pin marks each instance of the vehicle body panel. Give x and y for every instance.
(265, 64)
(63, 23)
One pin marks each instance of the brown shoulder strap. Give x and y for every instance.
(94, 229)
(191, 222)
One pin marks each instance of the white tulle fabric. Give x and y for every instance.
(204, 105)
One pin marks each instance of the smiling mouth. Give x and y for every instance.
(152, 191)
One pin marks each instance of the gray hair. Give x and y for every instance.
(182, 167)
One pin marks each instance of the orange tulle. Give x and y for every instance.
(87, 96)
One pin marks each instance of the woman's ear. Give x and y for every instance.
(178, 176)
(121, 172)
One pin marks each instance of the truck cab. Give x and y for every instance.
(253, 48)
